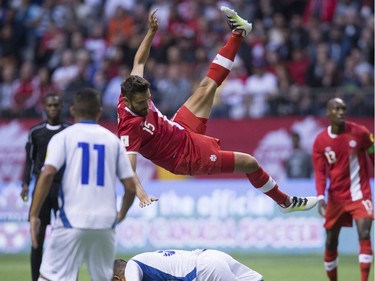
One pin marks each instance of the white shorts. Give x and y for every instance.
(69, 247)
(214, 265)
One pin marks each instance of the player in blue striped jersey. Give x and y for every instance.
(174, 265)
(93, 159)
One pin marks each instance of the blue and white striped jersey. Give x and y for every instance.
(93, 159)
(164, 265)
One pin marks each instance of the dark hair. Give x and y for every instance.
(51, 95)
(119, 267)
(87, 103)
(134, 84)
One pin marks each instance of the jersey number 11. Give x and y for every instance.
(100, 149)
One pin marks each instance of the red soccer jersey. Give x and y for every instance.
(155, 136)
(343, 158)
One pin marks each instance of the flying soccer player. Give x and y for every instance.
(341, 152)
(203, 265)
(180, 145)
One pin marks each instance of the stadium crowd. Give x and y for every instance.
(299, 54)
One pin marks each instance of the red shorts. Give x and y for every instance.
(340, 214)
(202, 154)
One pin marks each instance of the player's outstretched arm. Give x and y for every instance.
(144, 49)
(133, 188)
(40, 194)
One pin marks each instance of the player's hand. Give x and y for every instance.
(146, 200)
(34, 230)
(25, 192)
(153, 21)
(322, 207)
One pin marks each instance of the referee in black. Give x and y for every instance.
(36, 147)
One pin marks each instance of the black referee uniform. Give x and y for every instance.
(36, 148)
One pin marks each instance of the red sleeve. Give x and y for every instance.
(129, 133)
(319, 163)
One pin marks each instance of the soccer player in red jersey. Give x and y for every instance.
(180, 145)
(341, 152)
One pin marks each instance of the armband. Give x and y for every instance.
(371, 149)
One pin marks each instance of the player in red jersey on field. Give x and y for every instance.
(341, 152)
(180, 145)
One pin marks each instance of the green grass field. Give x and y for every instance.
(273, 267)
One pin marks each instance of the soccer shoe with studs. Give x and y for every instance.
(235, 22)
(300, 204)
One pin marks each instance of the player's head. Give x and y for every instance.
(119, 270)
(336, 111)
(295, 139)
(52, 104)
(136, 93)
(86, 105)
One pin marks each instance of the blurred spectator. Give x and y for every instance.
(338, 45)
(26, 95)
(299, 163)
(323, 10)
(298, 35)
(96, 43)
(260, 87)
(59, 45)
(79, 81)
(315, 72)
(67, 71)
(120, 27)
(230, 99)
(174, 90)
(331, 76)
(49, 43)
(298, 66)
(7, 87)
(100, 81)
(111, 6)
(8, 41)
(112, 93)
(44, 85)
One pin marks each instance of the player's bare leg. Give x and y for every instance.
(200, 103)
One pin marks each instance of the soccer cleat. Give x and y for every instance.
(235, 22)
(300, 204)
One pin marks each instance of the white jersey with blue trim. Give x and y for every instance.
(163, 265)
(92, 158)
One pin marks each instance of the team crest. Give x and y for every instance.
(213, 157)
(352, 143)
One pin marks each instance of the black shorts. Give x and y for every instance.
(50, 204)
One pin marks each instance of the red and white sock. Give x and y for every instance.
(331, 262)
(222, 64)
(263, 182)
(365, 258)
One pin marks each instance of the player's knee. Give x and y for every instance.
(364, 234)
(252, 164)
(246, 163)
(331, 243)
